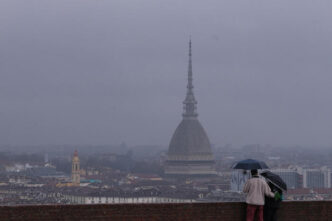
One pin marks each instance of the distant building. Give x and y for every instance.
(189, 153)
(292, 177)
(317, 178)
(124, 200)
(46, 171)
(75, 170)
(46, 158)
(238, 179)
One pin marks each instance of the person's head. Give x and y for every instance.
(254, 172)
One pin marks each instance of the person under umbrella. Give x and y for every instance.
(256, 189)
(275, 179)
(272, 205)
(247, 164)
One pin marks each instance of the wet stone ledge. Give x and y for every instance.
(289, 211)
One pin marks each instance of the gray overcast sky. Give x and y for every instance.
(107, 71)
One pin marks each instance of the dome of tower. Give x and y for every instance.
(189, 139)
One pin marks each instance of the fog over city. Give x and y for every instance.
(112, 71)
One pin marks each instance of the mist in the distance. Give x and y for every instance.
(103, 72)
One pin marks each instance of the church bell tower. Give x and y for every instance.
(75, 169)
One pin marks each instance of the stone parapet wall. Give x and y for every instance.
(289, 211)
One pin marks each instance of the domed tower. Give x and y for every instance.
(189, 153)
(75, 170)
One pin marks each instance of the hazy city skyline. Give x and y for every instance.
(103, 72)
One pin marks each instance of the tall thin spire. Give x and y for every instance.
(189, 104)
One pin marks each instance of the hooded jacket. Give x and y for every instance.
(256, 189)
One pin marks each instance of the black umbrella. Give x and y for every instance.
(250, 164)
(275, 180)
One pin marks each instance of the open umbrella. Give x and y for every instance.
(275, 180)
(250, 164)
